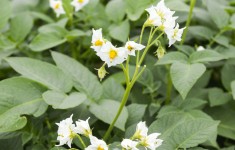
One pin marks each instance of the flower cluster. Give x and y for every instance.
(162, 17)
(110, 54)
(57, 5)
(142, 138)
(67, 131)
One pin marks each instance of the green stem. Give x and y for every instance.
(80, 139)
(147, 48)
(169, 87)
(125, 73)
(123, 103)
(218, 34)
(192, 4)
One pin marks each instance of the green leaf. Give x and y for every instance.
(120, 31)
(184, 76)
(226, 115)
(189, 103)
(83, 79)
(201, 32)
(190, 133)
(42, 72)
(12, 144)
(19, 96)
(177, 5)
(5, 12)
(60, 100)
(136, 113)
(112, 89)
(115, 16)
(233, 89)
(44, 41)
(20, 26)
(217, 13)
(186, 49)
(6, 43)
(166, 124)
(135, 8)
(205, 56)
(106, 111)
(222, 40)
(172, 57)
(42, 16)
(227, 52)
(227, 74)
(218, 97)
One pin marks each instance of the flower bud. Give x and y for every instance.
(102, 72)
(160, 52)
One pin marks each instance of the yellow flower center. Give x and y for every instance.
(161, 14)
(149, 22)
(130, 48)
(100, 148)
(175, 33)
(98, 43)
(57, 6)
(112, 54)
(80, 1)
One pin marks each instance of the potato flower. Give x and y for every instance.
(112, 55)
(66, 131)
(79, 4)
(141, 130)
(151, 141)
(96, 144)
(83, 127)
(174, 34)
(129, 144)
(97, 40)
(57, 6)
(132, 46)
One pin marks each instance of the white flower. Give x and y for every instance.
(112, 55)
(132, 46)
(174, 34)
(66, 131)
(129, 144)
(97, 40)
(79, 4)
(83, 127)
(159, 15)
(168, 24)
(154, 19)
(141, 130)
(200, 48)
(96, 144)
(151, 141)
(162, 11)
(57, 6)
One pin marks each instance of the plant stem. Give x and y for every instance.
(192, 4)
(123, 103)
(147, 48)
(80, 139)
(218, 34)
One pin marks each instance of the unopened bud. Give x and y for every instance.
(102, 72)
(160, 52)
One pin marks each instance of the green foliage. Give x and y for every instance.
(42, 72)
(184, 76)
(106, 110)
(48, 72)
(15, 102)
